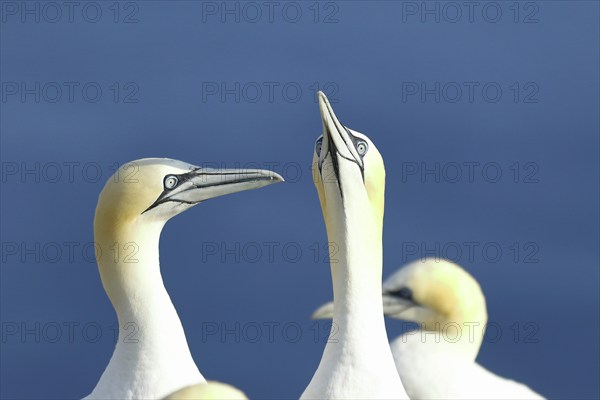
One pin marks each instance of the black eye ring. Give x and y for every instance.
(171, 181)
(403, 293)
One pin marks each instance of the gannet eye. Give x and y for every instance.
(318, 146)
(362, 147)
(403, 293)
(171, 181)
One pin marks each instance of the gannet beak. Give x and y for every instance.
(393, 305)
(202, 184)
(337, 139)
(323, 312)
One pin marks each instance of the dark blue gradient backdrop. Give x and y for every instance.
(486, 115)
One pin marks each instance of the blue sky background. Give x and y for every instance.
(167, 72)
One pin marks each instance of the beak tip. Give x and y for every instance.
(277, 178)
(323, 101)
(323, 312)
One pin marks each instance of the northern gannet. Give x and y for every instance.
(438, 361)
(132, 209)
(210, 390)
(349, 175)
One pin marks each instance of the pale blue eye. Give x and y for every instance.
(318, 146)
(362, 147)
(171, 181)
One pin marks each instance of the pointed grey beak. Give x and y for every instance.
(337, 140)
(206, 183)
(394, 306)
(323, 312)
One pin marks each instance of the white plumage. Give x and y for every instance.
(350, 178)
(151, 358)
(437, 361)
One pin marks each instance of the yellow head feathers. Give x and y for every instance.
(136, 186)
(434, 291)
(347, 164)
(156, 189)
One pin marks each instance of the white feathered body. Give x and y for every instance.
(431, 370)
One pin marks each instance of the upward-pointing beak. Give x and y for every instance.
(337, 140)
(206, 183)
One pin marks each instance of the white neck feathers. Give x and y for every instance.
(357, 361)
(151, 358)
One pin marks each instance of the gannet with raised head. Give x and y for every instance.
(350, 180)
(151, 358)
(438, 360)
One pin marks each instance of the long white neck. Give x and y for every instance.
(151, 358)
(356, 271)
(357, 361)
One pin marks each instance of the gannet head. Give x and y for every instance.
(135, 204)
(434, 292)
(431, 292)
(156, 189)
(347, 169)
